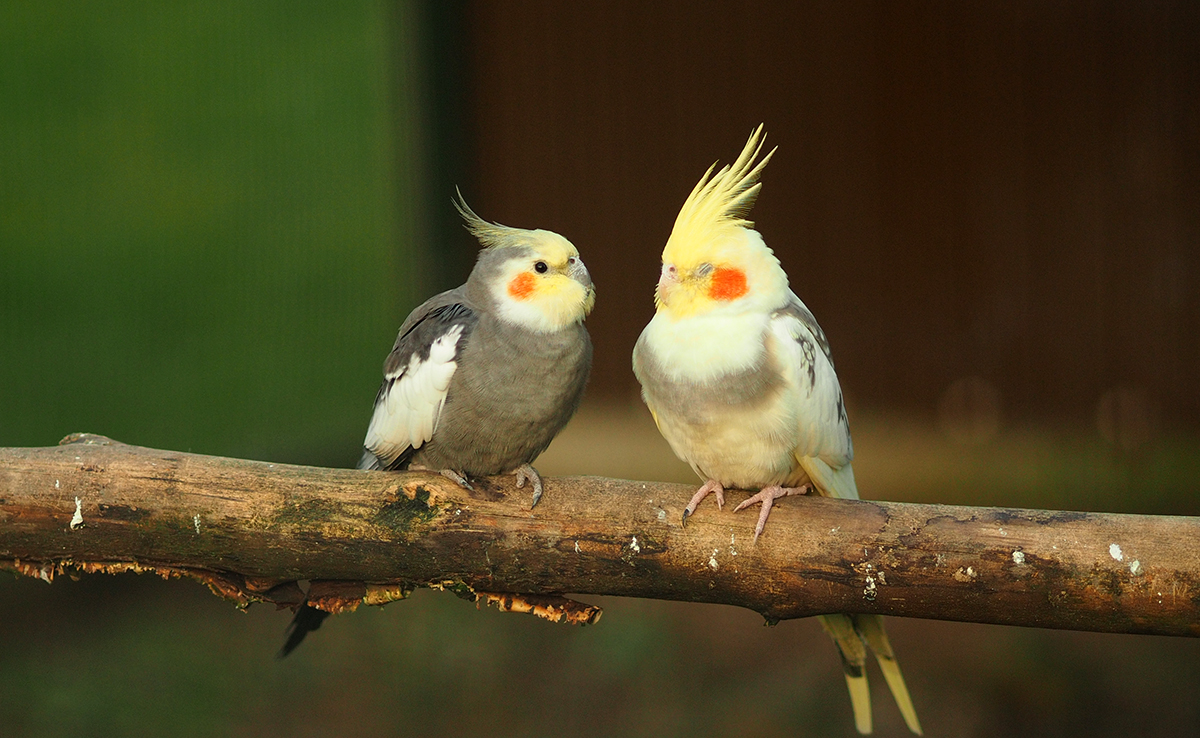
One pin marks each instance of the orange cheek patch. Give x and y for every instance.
(521, 286)
(727, 284)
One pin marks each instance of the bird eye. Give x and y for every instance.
(540, 267)
(704, 269)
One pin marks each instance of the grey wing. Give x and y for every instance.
(416, 380)
(824, 430)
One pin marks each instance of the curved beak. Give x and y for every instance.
(578, 272)
(669, 277)
(668, 280)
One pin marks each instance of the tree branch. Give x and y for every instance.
(251, 530)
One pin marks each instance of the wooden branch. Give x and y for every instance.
(251, 530)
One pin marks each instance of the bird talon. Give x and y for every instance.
(713, 487)
(526, 473)
(458, 478)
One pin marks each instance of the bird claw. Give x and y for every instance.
(526, 473)
(766, 497)
(457, 477)
(712, 486)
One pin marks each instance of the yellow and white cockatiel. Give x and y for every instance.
(739, 379)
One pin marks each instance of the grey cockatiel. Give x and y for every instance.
(484, 376)
(740, 380)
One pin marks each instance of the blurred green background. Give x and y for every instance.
(213, 217)
(199, 223)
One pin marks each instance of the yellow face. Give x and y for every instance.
(549, 289)
(687, 290)
(734, 272)
(714, 260)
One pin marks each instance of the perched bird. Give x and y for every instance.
(484, 376)
(739, 379)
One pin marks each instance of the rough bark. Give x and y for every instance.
(252, 530)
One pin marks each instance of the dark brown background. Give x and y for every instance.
(1009, 192)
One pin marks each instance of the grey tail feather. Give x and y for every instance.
(369, 461)
(307, 619)
(870, 627)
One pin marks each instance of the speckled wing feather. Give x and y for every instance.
(416, 380)
(824, 432)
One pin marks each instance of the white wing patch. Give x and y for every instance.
(407, 414)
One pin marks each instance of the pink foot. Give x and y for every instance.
(711, 486)
(766, 497)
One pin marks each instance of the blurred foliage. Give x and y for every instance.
(197, 238)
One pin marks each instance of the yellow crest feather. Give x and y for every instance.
(491, 235)
(718, 203)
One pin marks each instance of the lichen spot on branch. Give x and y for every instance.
(413, 507)
(77, 518)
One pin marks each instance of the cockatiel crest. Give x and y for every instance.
(548, 298)
(714, 257)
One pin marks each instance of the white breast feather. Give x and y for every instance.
(408, 413)
(705, 348)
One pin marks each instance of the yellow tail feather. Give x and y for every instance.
(871, 629)
(849, 634)
(860, 700)
(854, 657)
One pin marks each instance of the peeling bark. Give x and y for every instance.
(251, 530)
